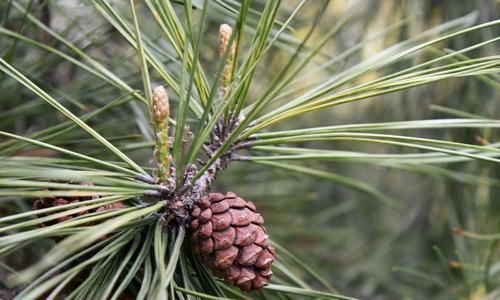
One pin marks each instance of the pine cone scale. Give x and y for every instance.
(226, 257)
(224, 239)
(221, 221)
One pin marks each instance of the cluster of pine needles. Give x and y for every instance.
(261, 101)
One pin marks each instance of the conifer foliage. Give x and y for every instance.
(123, 124)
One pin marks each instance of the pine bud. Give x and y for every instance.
(161, 107)
(161, 112)
(225, 32)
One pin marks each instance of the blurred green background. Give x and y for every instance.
(366, 248)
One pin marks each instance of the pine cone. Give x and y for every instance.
(51, 202)
(230, 239)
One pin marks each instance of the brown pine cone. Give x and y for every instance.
(230, 239)
(51, 202)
